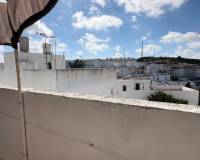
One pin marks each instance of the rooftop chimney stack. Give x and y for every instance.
(24, 44)
(47, 48)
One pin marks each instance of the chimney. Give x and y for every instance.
(24, 44)
(47, 48)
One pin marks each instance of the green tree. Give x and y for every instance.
(163, 97)
(188, 85)
(77, 64)
(174, 78)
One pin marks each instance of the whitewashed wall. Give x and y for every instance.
(87, 81)
(44, 80)
(191, 96)
(74, 127)
(39, 60)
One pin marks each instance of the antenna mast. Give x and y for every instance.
(142, 50)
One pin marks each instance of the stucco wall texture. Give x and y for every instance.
(78, 127)
(85, 81)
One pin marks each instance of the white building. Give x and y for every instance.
(35, 74)
(141, 89)
(34, 61)
(110, 62)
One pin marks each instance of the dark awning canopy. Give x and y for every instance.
(16, 15)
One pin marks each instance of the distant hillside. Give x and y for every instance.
(169, 60)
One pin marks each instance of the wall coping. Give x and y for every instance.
(122, 101)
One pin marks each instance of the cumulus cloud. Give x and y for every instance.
(39, 27)
(92, 44)
(194, 45)
(133, 18)
(102, 3)
(37, 42)
(187, 44)
(2, 50)
(93, 9)
(79, 53)
(36, 46)
(118, 53)
(61, 47)
(3, 1)
(148, 50)
(185, 52)
(96, 22)
(151, 8)
(177, 37)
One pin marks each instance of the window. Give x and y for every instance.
(124, 88)
(137, 86)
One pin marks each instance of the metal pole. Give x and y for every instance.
(46, 48)
(55, 53)
(22, 108)
(63, 60)
(142, 50)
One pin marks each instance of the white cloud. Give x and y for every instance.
(39, 27)
(187, 43)
(177, 37)
(61, 48)
(102, 3)
(79, 53)
(36, 43)
(118, 53)
(92, 44)
(151, 8)
(3, 1)
(2, 50)
(144, 38)
(36, 46)
(148, 50)
(133, 18)
(186, 52)
(97, 22)
(94, 10)
(194, 45)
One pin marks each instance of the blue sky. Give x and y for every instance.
(104, 28)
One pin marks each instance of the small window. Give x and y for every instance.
(137, 86)
(49, 66)
(124, 88)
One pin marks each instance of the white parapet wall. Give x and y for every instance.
(34, 74)
(179, 92)
(192, 96)
(86, 81)
(78, 127)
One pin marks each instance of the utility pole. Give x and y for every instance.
(124, 57)
(124, 53)
(55, 43)
(142, 50)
